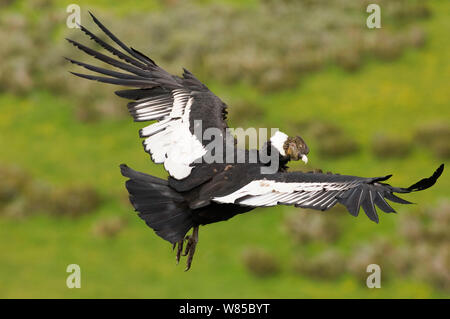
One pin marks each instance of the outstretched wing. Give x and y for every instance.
(175, 102)
(323, 191)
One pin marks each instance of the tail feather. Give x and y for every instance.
(162, 208)
(139, 176)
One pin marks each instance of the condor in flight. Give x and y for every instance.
(197, 192)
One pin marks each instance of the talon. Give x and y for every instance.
(190, 257)
(192, 245)
(189, 250)
(179, 250)
(188, 245)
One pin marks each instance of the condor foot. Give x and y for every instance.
(191, 244)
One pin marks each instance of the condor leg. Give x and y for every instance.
(179, 249)
(192, 241)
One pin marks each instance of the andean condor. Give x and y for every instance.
(197, 192)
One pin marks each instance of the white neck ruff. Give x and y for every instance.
(278, 140)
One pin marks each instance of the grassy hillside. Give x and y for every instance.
(40, 133)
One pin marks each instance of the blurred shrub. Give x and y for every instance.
(384, 146)
(6, 3)
(349, 58)
(13, 181)
(37, 197)
(331, 139)
(427, 224)
(16, 208)
(380, 252)
(109, 227)
(260, 263)
(21, 196)
(317, 129)
(72, 201)
(435, 136)
(100, 108)
(401, 12)
(242, 113)
(327, 265)
(217, 42)
(441, 148)
(416, 37)
(434, 264)
(307, 226)
(337, 146)
(387, 47)
(429, 132)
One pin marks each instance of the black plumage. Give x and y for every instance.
(198, 192)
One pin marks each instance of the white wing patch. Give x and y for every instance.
(271, 193)
(170, 140)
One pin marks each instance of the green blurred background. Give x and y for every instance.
(368, 102)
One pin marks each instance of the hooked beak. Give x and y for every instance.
(305, 158)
